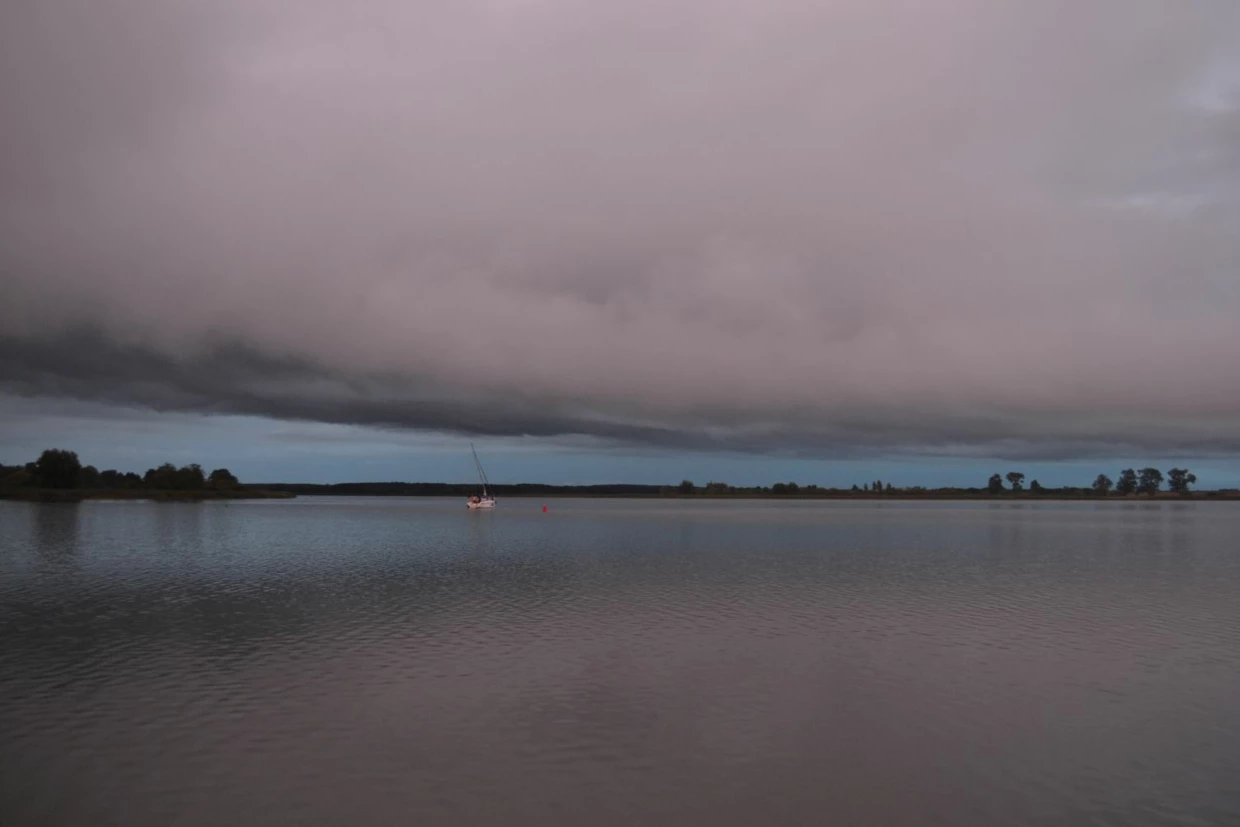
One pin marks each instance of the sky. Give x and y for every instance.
(623, 241)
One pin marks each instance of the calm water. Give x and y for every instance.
(390, 661)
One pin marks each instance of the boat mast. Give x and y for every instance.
(482, 475)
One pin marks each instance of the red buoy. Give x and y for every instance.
(544, 509)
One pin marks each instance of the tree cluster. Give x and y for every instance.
(60, 469)
(1147, 481)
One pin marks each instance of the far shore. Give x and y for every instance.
(278, 491)
(1196, 496)
(72, 495)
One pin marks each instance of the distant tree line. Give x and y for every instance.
(61, 470)
(785, 489)
(454, 489)
(716, 489)
(1147, 481)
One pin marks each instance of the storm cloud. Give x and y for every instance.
(957, 227)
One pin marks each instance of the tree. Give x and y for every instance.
(855, 489)
(1036, 487)
(112, 478)
(189, 478)
(1179, 479)
(89, 477)
(21, 478)
(1103, 485)
(714, 488)
(890, 488)
(995, 485)
(1150, 481)
(57, 469)
(1127, 482)
(1015, 478)
(163, 478)
(687, 487)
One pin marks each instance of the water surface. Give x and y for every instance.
(347, 661)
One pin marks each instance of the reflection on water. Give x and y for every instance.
(56, 532)
(356, 661)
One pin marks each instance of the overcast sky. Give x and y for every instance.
(620, 239)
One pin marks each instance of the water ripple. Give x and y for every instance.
(352, 661)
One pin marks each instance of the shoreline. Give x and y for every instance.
(73, 495)
(1228, 496)
(277, 492)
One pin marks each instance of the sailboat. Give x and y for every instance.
(486, 500)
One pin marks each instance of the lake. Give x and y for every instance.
(350, 661)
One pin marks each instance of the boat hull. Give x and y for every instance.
(480, 504)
